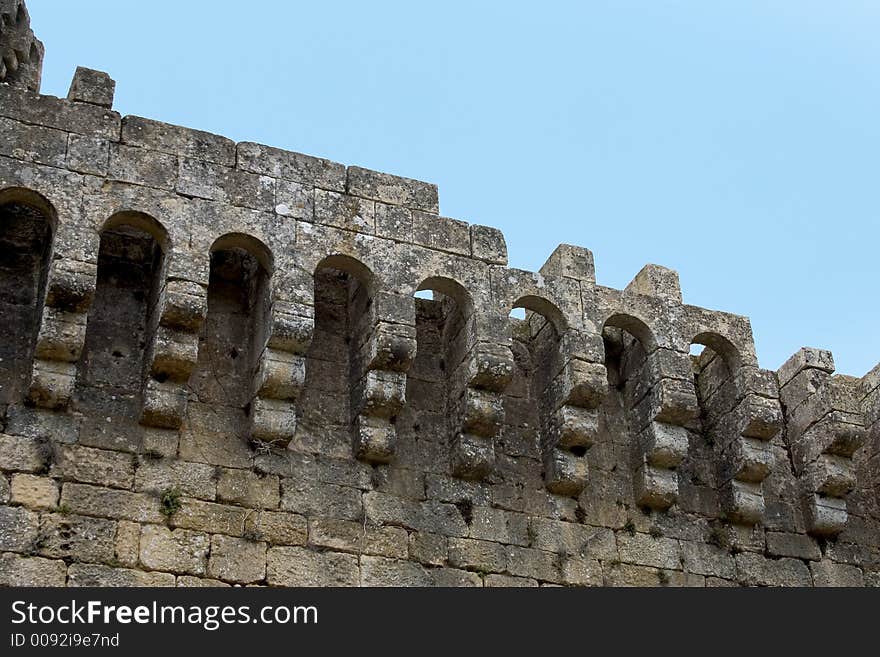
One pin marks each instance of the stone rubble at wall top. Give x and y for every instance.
(354, 435)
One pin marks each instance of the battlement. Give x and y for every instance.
(217, 364)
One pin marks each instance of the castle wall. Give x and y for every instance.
(215, 372)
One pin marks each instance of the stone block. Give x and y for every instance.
(92, 87)
(93, 466)
(87, 154)
(177, 551)
(142, 167)
(394, 190)
(191, 479)
(277, 527)
(16, 570)
(210, 517)
(347, 536)
(18, 529)
(117, 504)
(237, 560)
(84, 574)
(177, 140)
(246, 488)
(756, 570)
(295, 566)
(23, 453)
(828, 573)
(33, 491)
(646, 550)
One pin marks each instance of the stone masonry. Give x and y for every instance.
(214, 371)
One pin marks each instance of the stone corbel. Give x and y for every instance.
(825, 428)
(571, 424)
(663, 416)
(477, 408)
(174, 354)
(380, 363)
(60, 340)
(281, 374)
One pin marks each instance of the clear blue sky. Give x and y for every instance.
(737, 142)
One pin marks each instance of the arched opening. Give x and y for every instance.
(230, 344)
(343, 295)
(444, 326)
(27, 226)
(121, 319)
(628, 341)
(537, 360)
(715, 363)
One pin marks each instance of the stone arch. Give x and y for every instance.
(250, 245)
(634, 326)
(139, 221)
(27, 228)
(541, 306)
(715, 369)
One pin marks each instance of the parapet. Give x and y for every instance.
(224, 366)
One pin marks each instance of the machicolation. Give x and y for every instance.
(214, 370)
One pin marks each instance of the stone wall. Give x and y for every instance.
(214, 370)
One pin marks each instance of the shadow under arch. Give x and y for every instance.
(123, 318)
(232, 339)
(33, 200)
(250, 245)
(445, 333)
(28, 223)
(344, 288)
(139, 221)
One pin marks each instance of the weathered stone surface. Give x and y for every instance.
(278, 528)
(176, 140)
(293, 566)
(210, 517)
(647, 550)
(237, 560)
(378, 571)
(706, 559)
(793, 545)
(93, 466)
(828, 573)
(191, 479)
(346, 536)
(34, 492)
(393, 190)
(127, 546)
(755, 570)
(177, 551)
(81, 574)
(25, 454)
(18, 529)
(249, 489)
(93, 87)
(16, 570)
(67, 536)
(327, 500)
(118, 504)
